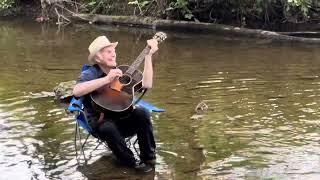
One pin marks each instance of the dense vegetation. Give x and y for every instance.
(237, 12)
(5, 4)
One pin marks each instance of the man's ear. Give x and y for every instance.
(98, 57)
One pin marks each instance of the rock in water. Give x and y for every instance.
(64, 90)
(201, 108)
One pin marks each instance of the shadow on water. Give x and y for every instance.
(106, 167)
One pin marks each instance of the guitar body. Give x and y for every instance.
(117, 97)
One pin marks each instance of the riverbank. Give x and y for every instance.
(198, 27)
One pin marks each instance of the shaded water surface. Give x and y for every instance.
(263, 98)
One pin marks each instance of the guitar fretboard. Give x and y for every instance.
(159, 36)
(135, 65)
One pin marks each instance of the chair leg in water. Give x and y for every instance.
(80, 147)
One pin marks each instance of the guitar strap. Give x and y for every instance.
(144, 91)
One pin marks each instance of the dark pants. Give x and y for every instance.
(114, 131)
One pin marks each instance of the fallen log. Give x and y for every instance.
(150, 22)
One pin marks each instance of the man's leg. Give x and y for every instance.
(141, 118)
(109, 132)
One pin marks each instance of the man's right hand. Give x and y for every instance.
(113, 74)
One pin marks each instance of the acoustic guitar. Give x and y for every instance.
(118, 97)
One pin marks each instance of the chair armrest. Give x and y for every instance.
(76, 104)
(149, 106)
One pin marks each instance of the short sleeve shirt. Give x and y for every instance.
(93, 72)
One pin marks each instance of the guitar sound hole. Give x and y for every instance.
(125, 79)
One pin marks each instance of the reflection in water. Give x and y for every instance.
(262, 119)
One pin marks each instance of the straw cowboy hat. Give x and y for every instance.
(98, 44)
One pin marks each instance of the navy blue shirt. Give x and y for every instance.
(93, 72)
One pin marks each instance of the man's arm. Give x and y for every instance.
(147, 79)
(147, 72)
(87, 87)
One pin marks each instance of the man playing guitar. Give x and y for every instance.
(114, 129)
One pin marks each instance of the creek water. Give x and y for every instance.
(263, 99)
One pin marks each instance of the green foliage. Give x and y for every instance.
(89, 5)
(241, 12)
(257, 11)
(6, 4)
(300, 7)
(142, 5)
(298, 2)
(182, 7)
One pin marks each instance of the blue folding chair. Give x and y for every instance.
(76, 107)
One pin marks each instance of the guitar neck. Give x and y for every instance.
(135, 65)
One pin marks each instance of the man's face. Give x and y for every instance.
(107, 56)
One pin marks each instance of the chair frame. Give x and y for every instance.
(76, 108)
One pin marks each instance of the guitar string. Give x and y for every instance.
(132, 68)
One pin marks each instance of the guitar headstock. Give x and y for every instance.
(160, 36)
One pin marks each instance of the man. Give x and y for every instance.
(113, 129)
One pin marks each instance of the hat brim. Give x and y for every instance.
(91, 55)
